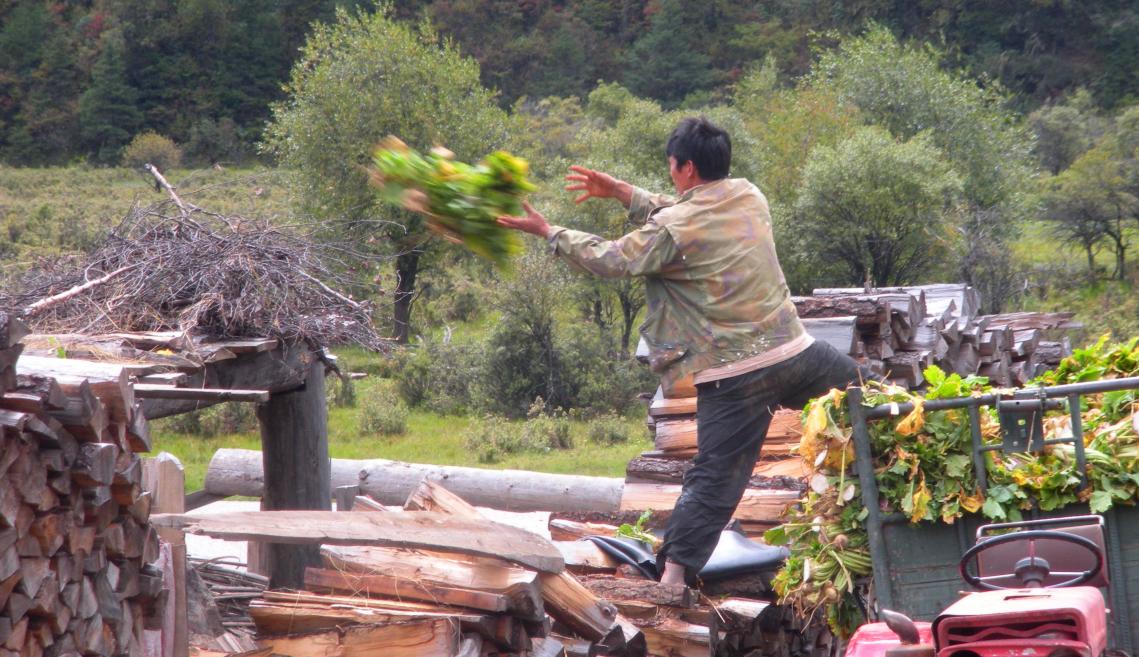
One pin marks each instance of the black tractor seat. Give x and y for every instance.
(735, 555)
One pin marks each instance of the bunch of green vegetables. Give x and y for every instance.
(460, 201)
(923, 464)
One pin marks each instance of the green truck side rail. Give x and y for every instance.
(916, 565)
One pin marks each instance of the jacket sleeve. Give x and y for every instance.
(647, 250)
(644, 203)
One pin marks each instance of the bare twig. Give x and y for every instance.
(43, 304)
(175, 266)
(165, 185)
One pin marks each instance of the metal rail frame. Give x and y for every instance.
(876, 520)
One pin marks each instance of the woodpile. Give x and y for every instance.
(76, 547)
(898, 332)
(412, 591)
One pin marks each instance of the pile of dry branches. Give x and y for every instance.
(175, 266)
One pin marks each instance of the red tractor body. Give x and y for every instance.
(1048, 614)
(1023, 623)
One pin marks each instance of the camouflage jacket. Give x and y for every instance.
(715, 292)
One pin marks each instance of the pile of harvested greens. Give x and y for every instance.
(461, 202)
(923, 466)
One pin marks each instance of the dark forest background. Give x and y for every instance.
(79, 79)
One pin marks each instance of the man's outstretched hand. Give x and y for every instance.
(598, 184)
(532, 222)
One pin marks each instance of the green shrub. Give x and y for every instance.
(382, 412)
(438, 376)
(545, 430)
(493, 437)
(153, 148)
(340, 391)
(607, 429)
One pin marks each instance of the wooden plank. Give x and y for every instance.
(164, 378)
(164, 479)
(250, 346)
(761, 505)
(427, 638)
(155, 391)
(421, 529)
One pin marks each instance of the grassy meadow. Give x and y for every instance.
(51, 211)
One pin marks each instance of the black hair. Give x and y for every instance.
(706, 144)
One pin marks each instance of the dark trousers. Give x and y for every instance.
(732, 417)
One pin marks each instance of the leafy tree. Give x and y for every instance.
(108, 116)
(1063, 133)
(903, 89)
(1090, 203)
(360, 79)
(878, 208)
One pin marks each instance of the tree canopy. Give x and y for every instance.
(361, 78)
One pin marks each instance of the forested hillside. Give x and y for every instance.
(78, 80)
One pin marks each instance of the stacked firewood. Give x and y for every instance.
(735, 616)
(75, 543)
(898, 332)
(653, 479)
(436, 581)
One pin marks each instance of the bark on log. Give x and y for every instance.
(238, 472)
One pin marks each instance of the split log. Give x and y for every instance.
(280, 617)
(759, 505)
(612, 588)
(838, 332)
(429, 638)
(569, 602)
(519, 586)
(320, 579)
(109, 382)
(95, 464)
(571, 530)
(905, 367)
(415, 530)
(869, 310)
(239, 472)
(585, 557)
(677, 638)
(663, 407)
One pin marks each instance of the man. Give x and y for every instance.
(717, 307)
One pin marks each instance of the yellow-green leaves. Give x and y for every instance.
(461, 202)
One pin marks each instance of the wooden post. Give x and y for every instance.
(294, 444)
(165, 480)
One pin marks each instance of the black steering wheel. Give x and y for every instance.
(1077, 577)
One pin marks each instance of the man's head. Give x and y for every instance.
(698, 151)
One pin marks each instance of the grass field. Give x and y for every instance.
(430, 438)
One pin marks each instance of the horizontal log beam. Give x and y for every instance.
(155, 391)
